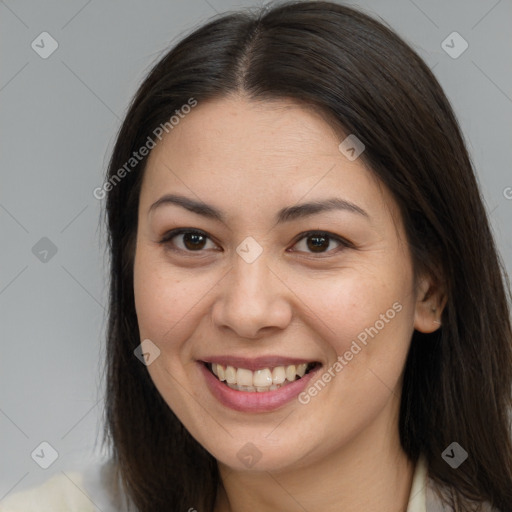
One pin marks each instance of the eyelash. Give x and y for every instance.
(344, 244)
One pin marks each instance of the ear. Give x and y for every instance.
(430, 304)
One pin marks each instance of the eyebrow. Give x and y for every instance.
(286, 214)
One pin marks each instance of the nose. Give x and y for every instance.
(252, 300)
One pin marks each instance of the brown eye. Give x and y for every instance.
(186, 240)
(194, 241)
(189, 240)
(317, 243)
(320, 242)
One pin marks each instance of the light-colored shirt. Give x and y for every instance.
(89, 491)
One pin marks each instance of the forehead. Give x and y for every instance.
(269, 131)
(259, 151)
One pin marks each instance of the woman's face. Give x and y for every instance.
(255, 291)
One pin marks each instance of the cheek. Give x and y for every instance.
(159, 296)
(351, 301)
(366, 317)
(169, 301)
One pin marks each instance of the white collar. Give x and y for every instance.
(418, 495)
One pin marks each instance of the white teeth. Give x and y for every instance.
(253, 388)
(262, 380)
(290, 372)
(243, 377)
(301, 369)
(278, 375)
(230, 374)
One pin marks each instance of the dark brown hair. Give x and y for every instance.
(355, 70)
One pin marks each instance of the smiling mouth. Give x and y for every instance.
(266, 379)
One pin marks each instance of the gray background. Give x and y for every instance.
(58, 119)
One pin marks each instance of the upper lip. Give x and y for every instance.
(256, 363)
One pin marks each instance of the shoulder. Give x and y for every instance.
(59, 493)
(94, 488)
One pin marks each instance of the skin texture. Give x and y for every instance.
(249, 159)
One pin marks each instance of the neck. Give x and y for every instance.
(369, 473)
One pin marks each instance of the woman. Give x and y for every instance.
(307, 307)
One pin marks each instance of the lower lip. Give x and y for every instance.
(264, 401)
